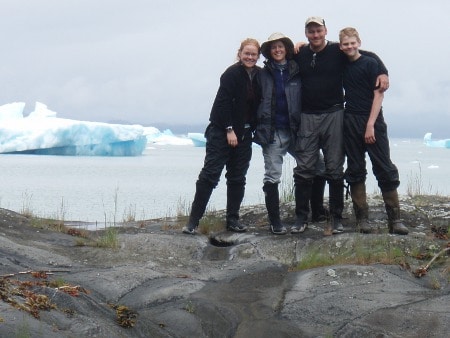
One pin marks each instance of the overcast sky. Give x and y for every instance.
(159, 61)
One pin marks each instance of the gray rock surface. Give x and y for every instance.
(227, 284)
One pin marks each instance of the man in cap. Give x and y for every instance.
(321, 64)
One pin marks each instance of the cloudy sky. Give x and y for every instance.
(159, 61)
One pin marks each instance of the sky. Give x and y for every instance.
(158, 62)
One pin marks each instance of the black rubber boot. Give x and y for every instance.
(360, 207)
(235, 195)
(302, 199)
(272, 199)
(392, 206)
(203, 192)
(336, 205)
(318, 211)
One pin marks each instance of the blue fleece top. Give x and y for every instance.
(281, 75)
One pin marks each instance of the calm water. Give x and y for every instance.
(162, 181)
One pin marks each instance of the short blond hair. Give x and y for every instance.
(350, 32)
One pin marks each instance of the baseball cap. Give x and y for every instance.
(315, 19)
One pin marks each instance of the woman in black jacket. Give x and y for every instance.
(229, 137)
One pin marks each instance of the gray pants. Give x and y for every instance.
(321, 132)
(274, 153)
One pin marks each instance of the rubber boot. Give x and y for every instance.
(392, 205)
(235, 195)
(360, 207)
(203, 192)
(302, 199)
(272, 199)
(336, 205)
(318, 212)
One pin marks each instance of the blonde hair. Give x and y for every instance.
(350, 32)
(248, 41)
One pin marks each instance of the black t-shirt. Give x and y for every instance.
(359, 83)
(321, 75)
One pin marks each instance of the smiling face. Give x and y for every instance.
(249, 55)
(350, 46)
(316, 36)
(278, 51)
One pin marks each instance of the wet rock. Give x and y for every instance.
(225, 284)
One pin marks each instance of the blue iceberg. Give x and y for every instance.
(435, 143)
(198, 139)
(42, 133)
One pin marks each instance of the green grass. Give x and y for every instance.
(109, 239)
(361, 252)
(211, 223)
(190, 307)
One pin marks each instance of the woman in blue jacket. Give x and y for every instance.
(229, 137)
(278, 121)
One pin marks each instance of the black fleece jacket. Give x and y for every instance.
(237, 99)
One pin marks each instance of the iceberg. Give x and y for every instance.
(198, 139)
(154, 136)
(42, 133)
(445, 143)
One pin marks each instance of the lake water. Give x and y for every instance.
(162, 181)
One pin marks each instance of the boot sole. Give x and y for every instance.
(188, 231)
(299, 230)
(281, 231)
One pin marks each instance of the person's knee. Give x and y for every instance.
(386, 186)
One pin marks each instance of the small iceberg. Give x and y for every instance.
(166, 137)
(198, 139)
(435, 143)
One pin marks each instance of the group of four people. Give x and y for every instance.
(295, 105)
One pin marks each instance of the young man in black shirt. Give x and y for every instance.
(365, 131)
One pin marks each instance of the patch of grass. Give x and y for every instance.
(80, 242)
(109, 239)
(415, 185)
(130, 214)
(360, 252)
(183, 207)
(61, 212)
(48, 224)
(211, 223)
(434, 281)
(27, 209)
(57, 283)
(190, 307)
(287, 181)
(287, 191)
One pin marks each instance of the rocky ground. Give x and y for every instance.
(162, 283)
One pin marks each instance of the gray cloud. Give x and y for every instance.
(159, 61)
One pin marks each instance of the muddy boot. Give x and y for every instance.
(392, 205)
(360, 207)
(203, 192)
(272, 199)
(302, 198)
(336, 205)
(318, 213)
(235, 195)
